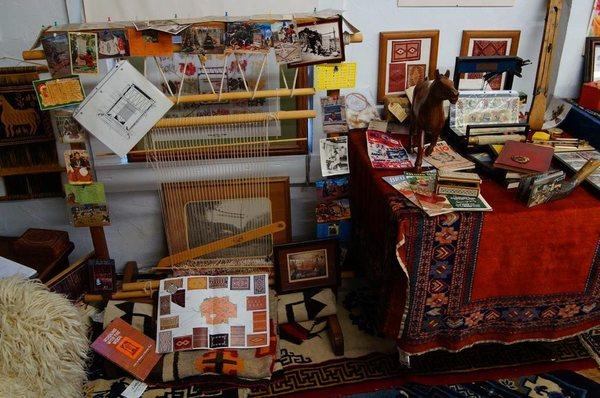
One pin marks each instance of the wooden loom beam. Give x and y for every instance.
(240, 95)
(221, 244)
(235, 118)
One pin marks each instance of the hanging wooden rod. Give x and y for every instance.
(235, 118)
(239, 95)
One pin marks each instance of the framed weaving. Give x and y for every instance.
(591, 71)
(198, 213)
(487, 43)
(201, 311)
(405, 59)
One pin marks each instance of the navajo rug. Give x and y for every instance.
(560, 384)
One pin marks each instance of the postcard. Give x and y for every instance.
(322, 42)
(113, 43)
(332, 188)
(334, 156)
(69, 131)
(148, 43)
(79, 167)
(85, 194)
(56, 51)
(169, 26)
(286, 42)
(90, 215)
(334, 115)
(249, 36)
(205, 38)
(83, 47)
(333, 211)
(58, 93)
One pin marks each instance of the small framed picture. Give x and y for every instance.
(405, 59)
(592, 60)
(84, 52)
(321, 42)
(305, 265)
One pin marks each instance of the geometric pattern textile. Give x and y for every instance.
(306, 305)
(222, 313)
(591, 341)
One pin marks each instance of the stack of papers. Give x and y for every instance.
(10, 268)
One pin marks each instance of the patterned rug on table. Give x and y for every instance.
(560, 384)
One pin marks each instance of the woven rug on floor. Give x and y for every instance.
(591, 341)
(559, 384)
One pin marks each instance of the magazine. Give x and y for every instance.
(333, 211)
(444, 157)
(386, 152)
(419, 189)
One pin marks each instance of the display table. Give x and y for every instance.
(451, 281)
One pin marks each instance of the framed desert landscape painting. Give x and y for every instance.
(405, 59)
(306, 265)
(487, 43)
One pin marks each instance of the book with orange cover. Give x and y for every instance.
(127, 348)
(524, 157)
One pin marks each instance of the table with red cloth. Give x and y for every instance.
(448, 282)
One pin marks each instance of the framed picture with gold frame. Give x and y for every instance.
(487, 43)
(200, 212)
(405, 59)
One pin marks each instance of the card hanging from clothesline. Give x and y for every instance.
(335, 76)
(58, 93)
(122, 108)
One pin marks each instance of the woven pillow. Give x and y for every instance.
(305, 306)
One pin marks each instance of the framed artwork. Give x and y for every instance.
(488, 43)
(305, 265)
(321, 42)
(405, 59)
(592, 60)
(197, 213)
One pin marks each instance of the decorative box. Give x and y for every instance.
(590, 96)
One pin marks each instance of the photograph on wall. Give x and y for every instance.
(487, 43)
(56, 52)
(68, 130)
(405, 59)
(286, 42)
(206, 38)
(334, 156)
(83, 47)
(79, 167)
(321, 42)
(112, 43)
(248, 36)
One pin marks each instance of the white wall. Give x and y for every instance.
(137, 228)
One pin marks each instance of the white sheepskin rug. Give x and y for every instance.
(43, 342)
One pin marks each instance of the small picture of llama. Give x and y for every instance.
(18, 118)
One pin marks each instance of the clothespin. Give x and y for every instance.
(336, 69)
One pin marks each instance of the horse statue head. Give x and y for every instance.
(443, 88)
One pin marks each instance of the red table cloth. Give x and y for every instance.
(451, 281)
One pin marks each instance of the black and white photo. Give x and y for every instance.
(334, 156)
(322, 42)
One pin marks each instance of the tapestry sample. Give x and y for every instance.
(200, 312)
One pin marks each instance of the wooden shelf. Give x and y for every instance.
(24, 170)
(27, 140)
(27, 196)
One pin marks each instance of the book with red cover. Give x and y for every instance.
(128, 348)
(524, 157)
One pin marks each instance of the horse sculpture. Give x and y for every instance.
(427, 112)
(13, 119)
